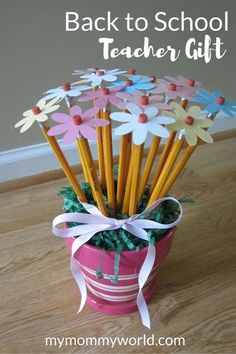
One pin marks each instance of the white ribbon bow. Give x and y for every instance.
(95, 222)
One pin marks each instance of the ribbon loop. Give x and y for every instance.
(94, 222)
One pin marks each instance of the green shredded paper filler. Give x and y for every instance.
(121, 240)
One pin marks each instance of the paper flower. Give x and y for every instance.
(142, 100)
(103, 96)
(86, 71)
(102, 75)
(66, 90)
(77, 122)
(171, 90)
(191, 123)
(215, 101)
(183, 81)
(189, 86)
(37, 114)
(136, 82)
(140, 122)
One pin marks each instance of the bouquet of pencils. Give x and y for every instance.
(123, 212)
(144, 106)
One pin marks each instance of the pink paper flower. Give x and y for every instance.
(190, 86)
(142, 100)
(171, 90)
(103, 96)
(77, 123)
(183, 81)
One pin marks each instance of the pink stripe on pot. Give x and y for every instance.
(120, 297)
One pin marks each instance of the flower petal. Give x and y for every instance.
(51, 109)
(177, 126)
(125, 128)
(41, 117)
(143, 86)
(194, 111)
(88, 132)
(51, 103)
(28, 113)
(155, 98)
(27, 124)
(178, 109)
(76, 110)
(71, 135)
(88, 96)
(115, 100)
(134, 109)
(140, 133)
(157, 129)
(54, 95)
(90, 113)
(151, 111)
(121, 117)
(109, 78)
(124, 96)
(158, 90)
(60, 117)
(57, 129)
(96, 122)
(212, 108)
(191, 135)
(164, 120)
(228, 111)
(204, 135)
(21, 122)
(204, 123)
(101, 101)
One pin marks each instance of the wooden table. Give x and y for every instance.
(196, 292)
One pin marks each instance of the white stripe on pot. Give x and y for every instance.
(115, 288)
(107, 276)
(119, 298)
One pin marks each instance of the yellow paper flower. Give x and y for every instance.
(190, 122)
(37, 113)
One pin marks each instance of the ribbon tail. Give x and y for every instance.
(75, 270)
(142, 278)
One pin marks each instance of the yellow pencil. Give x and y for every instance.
(177, 169)
(101, 165)
(148, 165)
(70, 102)
(165, 153)
(84, 150)
(108, 161)
(124, 158)
(166, 170)
(137, 153)
(125, 205)
(64, 163)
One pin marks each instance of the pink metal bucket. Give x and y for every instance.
(120, 297)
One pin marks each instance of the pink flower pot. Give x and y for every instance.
(120, 297)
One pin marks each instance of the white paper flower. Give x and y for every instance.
(66, 90)
(102, 75)
(37, 114)
(140, 122)
(84, 72)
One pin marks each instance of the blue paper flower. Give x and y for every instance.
(215, 101)
(136, 82)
